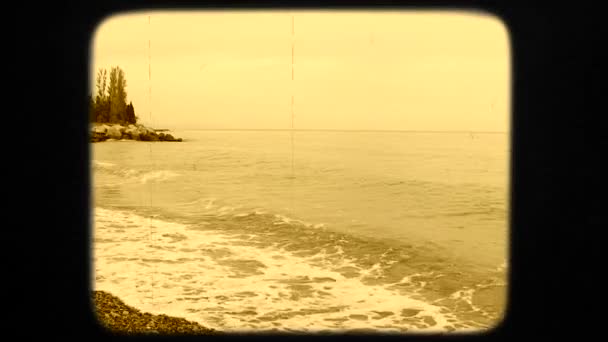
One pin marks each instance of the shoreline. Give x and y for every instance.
(109, 132)
(119, 318)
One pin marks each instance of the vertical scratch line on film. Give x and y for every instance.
(151, 237)
(292, 110)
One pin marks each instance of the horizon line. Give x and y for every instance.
(337, 130)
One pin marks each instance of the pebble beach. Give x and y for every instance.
(119, 318)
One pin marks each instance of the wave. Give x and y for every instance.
(282, 259)
(250, 283)
(213, 207)
(139, 176)
(157, 176)
(101, 165)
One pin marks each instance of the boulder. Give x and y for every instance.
(131, 132)
(142, 130)
(139, 134)
(148, 135)
(96, 137)
(114, 132)
(104, 132)
(102, 129)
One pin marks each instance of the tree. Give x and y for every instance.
(110, 105)
(101, 113)
(101, 85)
(117, 95)
(121, 96)
(130, 114)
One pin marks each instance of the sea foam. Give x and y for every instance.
(228, 283)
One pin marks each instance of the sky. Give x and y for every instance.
(352, 70)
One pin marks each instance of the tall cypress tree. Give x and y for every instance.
(110, 105)
(130, 114)
(117, 95)
(100, 98)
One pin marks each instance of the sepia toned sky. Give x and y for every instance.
(376, 70)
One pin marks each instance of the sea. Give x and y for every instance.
(306, 231)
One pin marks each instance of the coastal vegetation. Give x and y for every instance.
(111, 117)
(110, 103)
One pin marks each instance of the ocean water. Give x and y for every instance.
(312, 231)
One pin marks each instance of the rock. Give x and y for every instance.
(132, 132)
(114, 132)
(103, 132)
(149, 136)
(142, 133)
(100, 129)
(97, 136)
(137, 322)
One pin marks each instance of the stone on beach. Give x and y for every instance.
(120, 318)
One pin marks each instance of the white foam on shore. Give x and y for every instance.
(157, 176)
(100, 164)
(127, 174)
(228, 283)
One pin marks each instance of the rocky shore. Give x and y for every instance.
(103, 132)
(120, 318)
